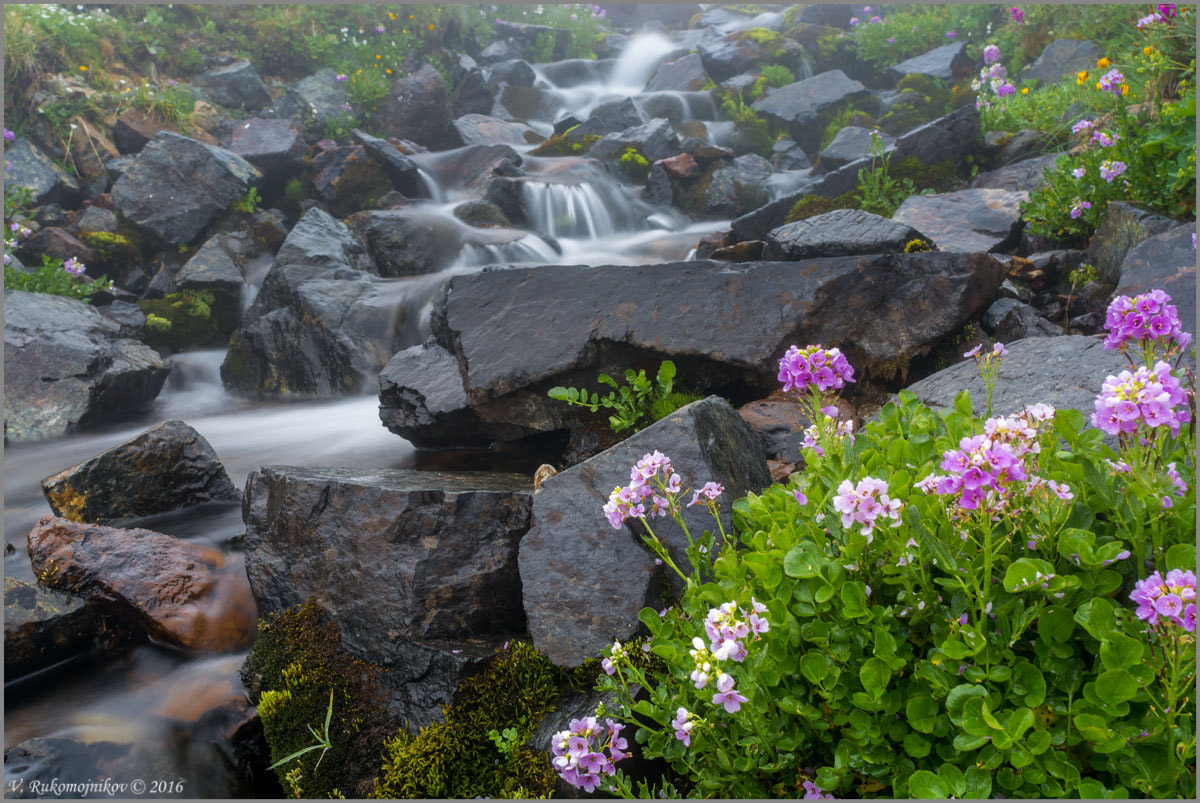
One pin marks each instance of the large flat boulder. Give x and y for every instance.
(273, 146)
(1023, 176)
(1061, 58)
(480, 129)
(727, 56)
(583, 582)
(167, 467)
(681, 75)
(418, 108)
(173, 591)
(842, 232)
(946, 63)
(67, 366)
(802, 107)
(178, 186)
(235, 86)
(1064, 372)
(515, 333)
(967, 221)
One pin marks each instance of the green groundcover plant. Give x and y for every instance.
(939, 606)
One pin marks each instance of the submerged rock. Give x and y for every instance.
(42, 627)
(165, 468)
(171, 590)
(584, 583)
(67, 366)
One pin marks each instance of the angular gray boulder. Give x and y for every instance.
(213, 268)
(842, 232)
(67, 366)
(1166, 261)
(235, 86)
(480, 129)
(47, 182)
(681, 75)
(967, 221)
(1062, 57)
(851, 144)
(178, 186)
(946, 63)
(582, 581)
(167, 467)
(515, 333)
(1122, 227)
(804, 106)
(1009, 319)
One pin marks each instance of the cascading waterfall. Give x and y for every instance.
(588, 209)
(431, 186)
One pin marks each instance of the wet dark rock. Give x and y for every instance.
(474, 167)
(129, 316)
(1062, 57)
(50, 215)
(565, 123)
(42, 627)
(528, 103)
(1025, 144)
(418, 108)
(1165, 261)
(947, 63)
(235, 86)
(502, 50)
(1122, 227)
(515, 71)
(1008, 320)
(480, 129)
(347, 179)
(787, 155)
(803, 107)
(472, 95)
(178, 186)
(745, 251)
(420, 389)
(214, 269)
(322, 324)
(51, 759)
(583, 583)
(1020, 176)
(168, 467)
(1065, 372)
(681, 75)
(851, 144)
(736, 53)
(313, 100)
(611, 118)
(653, 140)
(47, 182)
(273, 146)
(90, 149)
(967, 221)
(95, 218)
(401, 170)
(512, 334)
(134, 129)
(174, 591)
(843, 232)
(737, 187)
(407, 242)
(57, 243)
(779, 424)
(528, 36)
(481, 214)
(834, 15)
(66, 366)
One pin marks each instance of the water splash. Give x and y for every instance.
(639, 60)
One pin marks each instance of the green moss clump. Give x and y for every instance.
(634, 165)
(922, 99)
(456, 759)
(917, 246)
(190, 318)
(295, 663)
(561, 145)
(940, 177)
(813, 205)
(925, 85)
(661, 408)
(293, 191)
(111, 247)
(845, 117)
(157, 324)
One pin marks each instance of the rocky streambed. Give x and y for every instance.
(340, 399)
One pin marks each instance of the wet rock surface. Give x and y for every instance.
(1165, 261)
(47, 182)
(583, 582)
(1122, 227)
(171, 590)
(947, 63)
(1060, 59)
(236, 86)
(43, 627)
(967, 221)
(802, 107)
(842, 232)
(67, 366)
(168, 467)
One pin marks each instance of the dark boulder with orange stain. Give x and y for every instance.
(583, 581)
(180, 593)
(168, 467)
(347, 179)
(513, 334)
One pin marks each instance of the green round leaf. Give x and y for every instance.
(803, 560)
(924, 785)
(922, 712)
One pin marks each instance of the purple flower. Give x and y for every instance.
(801, 499)
(827, 369)
(341, 77)
(1173, 598)
(1017, 15)
(727, 695)
(1110, 170)
(1150, 397)
(1150, 19)
(1079, 172)
(853, 21)
(1143, 319)
(710, 491)
(991, 54)
(891, 40)
(874, 20)
(683, 725)
(379, 29)
(1167, 10)
(74, 267)
(951, 34)
(866, 503)
(814, 792)
(962, 620)
(1078, 207)
(1083, 126)
(1111, 81)
(9, 136)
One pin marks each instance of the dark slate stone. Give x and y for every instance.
(347, 179)
(129, 316)
(168, 467)
(236, 86)
(407, 242)
(735, 53)
(273, 146)
(67, 366)
(474, 166)
(528, 103)
(401, 170)
(681, 75)
(584, 583)
(480, 129)
(472, 95)
(417, 108)
(843, 232)
(654, 140)
(787, 155)
(31, 168)
(802, 107)
(96, 218)
(481, 214)
(318, 240)
(947, 63)
(1023, 176)
(967, 221)
(212, 268)
(1065, 372)
(57, 243)
(611, 118)
(517, 332)
(1166, 262)
(779, 424)
(515, 71)
(42, 627)
(834, 15)
(1062, 57)
(851, 144)
(424, 382)
(178, 186)
(502, 50)
(1122, 227)
(573, 72)
(1008, 320)
(313, 100)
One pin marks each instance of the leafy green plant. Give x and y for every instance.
(542, 49)
(630, 403)
(878, 192)
(51, 277)
(777, 75)
(506, 741)
(323, 742)
(247, 204)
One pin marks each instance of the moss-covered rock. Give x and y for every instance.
(456, 759)
(296, 662)
(813, 205)
(565, 144)
(191, 321)
(634, 165)
(940, 177)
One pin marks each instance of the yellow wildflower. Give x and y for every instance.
(1147, 50)
(431, 26)
(82, 68)
(1103, 63)
(377, 56)
(1025, 90)
(1124, 89)
(390, 14)
(1099, 87)
(1080, 77)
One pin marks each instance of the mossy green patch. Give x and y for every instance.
(190, 320)
(940, 177)
(564, 145)
(110, 247)
(295, 663)
(634, 165)
(813, 205)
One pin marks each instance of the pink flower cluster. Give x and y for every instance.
(1174, 599)
(1111, 81)
(683, 723)
(74, 267)
(995, 76)
(1150, 397)
(579, 753)
(865, 504)
(826, 369)
(843, 430)
(616, 654)
(727, 625)
(627, 502)
(1149, 316)
(814, 792)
